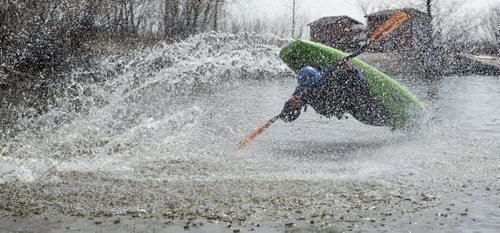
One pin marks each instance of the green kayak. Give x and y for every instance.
(391, 105)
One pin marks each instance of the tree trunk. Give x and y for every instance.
(216, 15)
(206, 15)
(171, 18)
(293, 19)
(196, 16)
(430, 30)
(132, 26)
(429, 8)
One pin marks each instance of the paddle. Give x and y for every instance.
(381, 32)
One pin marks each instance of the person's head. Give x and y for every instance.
(307, 75)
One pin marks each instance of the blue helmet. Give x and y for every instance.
(307, 76)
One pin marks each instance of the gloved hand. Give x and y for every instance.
(291, 110)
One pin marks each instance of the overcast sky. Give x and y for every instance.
(319, 8)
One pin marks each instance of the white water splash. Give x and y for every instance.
(142, 102)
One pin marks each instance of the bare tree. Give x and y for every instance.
(495, 25)
(294, 9)
(370, 6)
(491, 25)
(186, 17)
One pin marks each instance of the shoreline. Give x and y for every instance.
(454, 207)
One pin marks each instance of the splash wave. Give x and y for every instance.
(128, 100)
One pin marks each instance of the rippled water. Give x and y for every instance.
(164, 141)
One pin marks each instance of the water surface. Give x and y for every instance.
(175, 155)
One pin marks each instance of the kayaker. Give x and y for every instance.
(334, 92)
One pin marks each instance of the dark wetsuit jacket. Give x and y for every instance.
(336, 92)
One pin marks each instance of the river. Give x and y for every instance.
(157, 156)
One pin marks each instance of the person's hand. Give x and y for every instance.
(291, 110)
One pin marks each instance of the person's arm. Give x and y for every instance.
(292, 108)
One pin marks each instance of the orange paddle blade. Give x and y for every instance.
(251, 136)
(390, 25)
